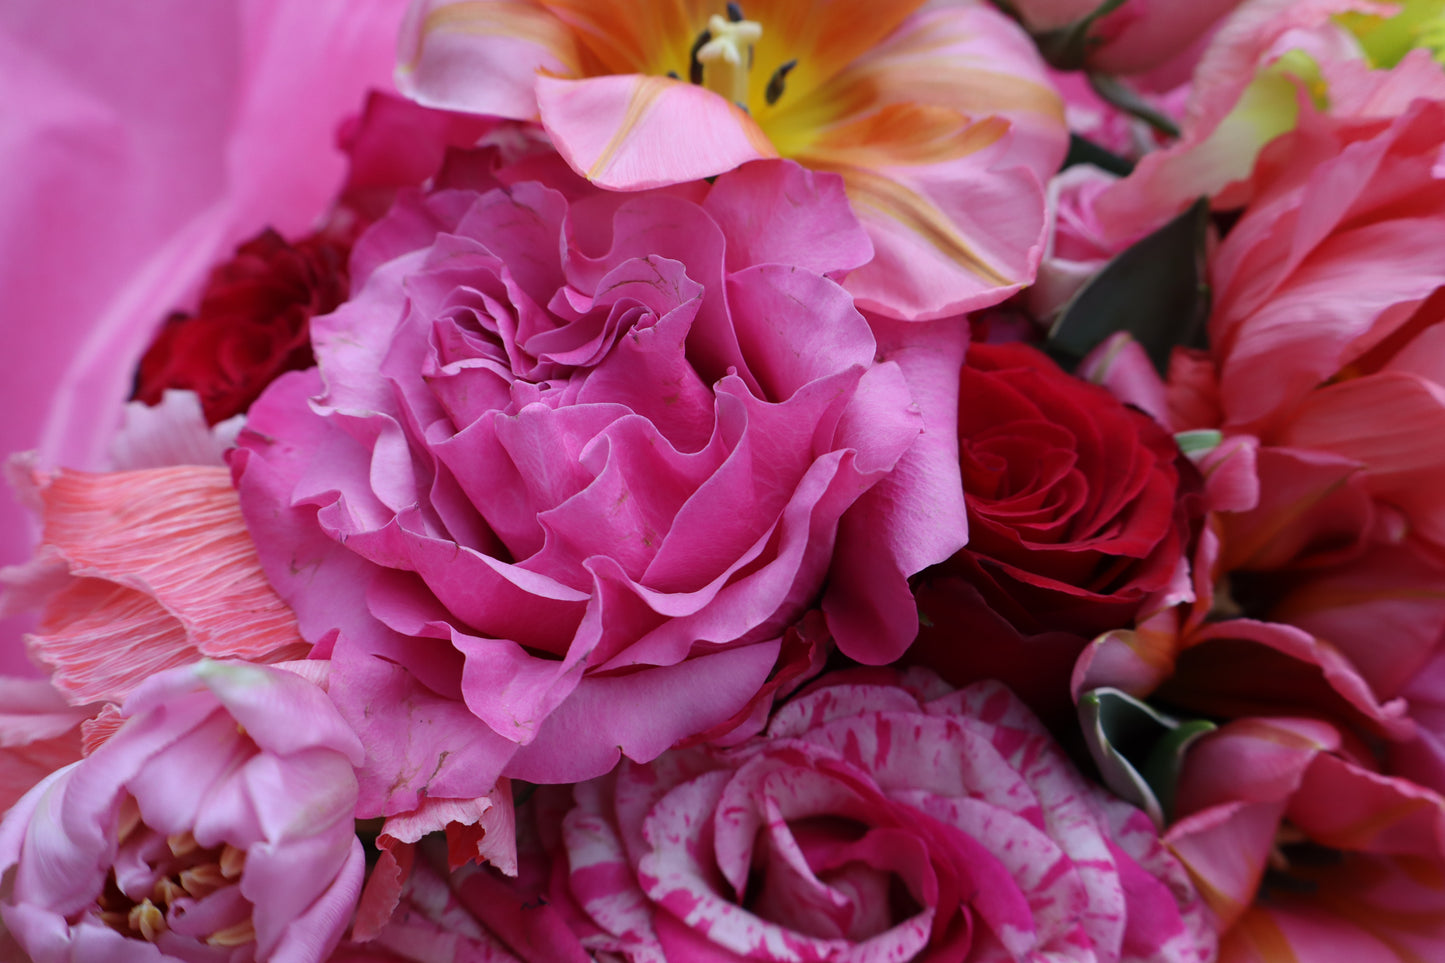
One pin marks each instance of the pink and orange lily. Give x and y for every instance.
(938, 117)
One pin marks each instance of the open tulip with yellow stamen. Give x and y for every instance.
(938, 116)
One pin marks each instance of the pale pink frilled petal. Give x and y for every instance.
(1283, 262)
(39, 733)
(140, 571)
(481, 57)
(248, 765)
(173, 432)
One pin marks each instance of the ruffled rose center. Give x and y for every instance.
(161, 884)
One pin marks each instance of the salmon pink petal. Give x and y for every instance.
(628, 132)
(482, 56)
(161, 572)
(1369, 909)
(1343, 806)
(1378, 421)
(39, 733)
(1385, 610)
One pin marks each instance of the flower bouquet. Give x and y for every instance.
(825, 480)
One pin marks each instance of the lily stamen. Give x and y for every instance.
(726, 56)
(777, 81)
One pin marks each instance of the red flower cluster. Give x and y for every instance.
(251, 325)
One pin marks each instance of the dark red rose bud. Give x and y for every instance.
(251, 325)
(1074, 518)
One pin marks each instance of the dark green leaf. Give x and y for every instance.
(1138, 749)
(1157, 290)
(1084, 151)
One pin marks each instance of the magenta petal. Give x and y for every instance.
(629, 131)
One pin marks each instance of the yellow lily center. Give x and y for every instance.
(726, 57)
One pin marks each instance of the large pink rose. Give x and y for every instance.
(876, 821)
(219, 815)
(576, 460)
(144, 139)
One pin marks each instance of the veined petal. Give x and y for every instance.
(969, 60)
(630, 132)
(949, 236)
(482, 56)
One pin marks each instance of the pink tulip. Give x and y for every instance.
(218, 817)
(143, 140)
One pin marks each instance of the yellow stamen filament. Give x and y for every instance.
(232, 861)
(181, 844)
(202, 880)
(146, 920)
(727, 58)
(237, 935)
(167, 891)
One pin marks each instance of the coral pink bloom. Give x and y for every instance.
(941, 121)
(140, 571)
(1270, 63)
(1303, 853)
(143, 139)
(876, 821)
(216, 823)
(1342, 382)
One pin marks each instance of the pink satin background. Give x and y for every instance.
(140, 140)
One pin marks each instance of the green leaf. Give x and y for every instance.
(1084, 151)
(1157, 290)
(1067, 47)
(1198, 440)
(1120, 94)
(1138, 749)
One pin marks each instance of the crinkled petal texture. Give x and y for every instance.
(139, 571)
(941, 120)
(573, 468)
(219, 815)
(877, 819)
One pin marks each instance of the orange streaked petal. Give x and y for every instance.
(618, 38)
(826, 36)
(630, 132)
(483, 56)
(967, 60)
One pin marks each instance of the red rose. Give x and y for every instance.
(251, 325)
(1073, 521)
